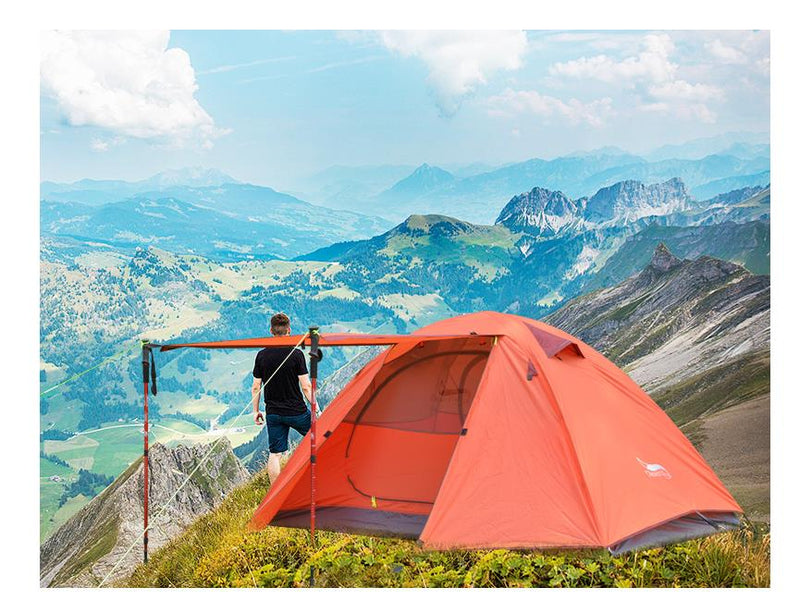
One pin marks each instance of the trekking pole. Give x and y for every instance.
(315, 355)
(145, 458)
(148, 370)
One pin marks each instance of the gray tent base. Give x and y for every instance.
(696, 525)
(395, 524)
(356, 520)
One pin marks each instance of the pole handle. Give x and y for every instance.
(314, 352)
(149, 366)
(145, 362)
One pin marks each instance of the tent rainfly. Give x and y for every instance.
(492, 430)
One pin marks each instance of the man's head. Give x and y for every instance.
(279, 324)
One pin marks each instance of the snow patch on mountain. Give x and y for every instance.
(586, 259)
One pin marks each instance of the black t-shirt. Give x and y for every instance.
(282, 394)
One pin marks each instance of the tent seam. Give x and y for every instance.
(589, 502)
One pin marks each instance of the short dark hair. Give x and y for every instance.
(279, 324)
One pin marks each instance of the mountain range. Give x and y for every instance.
(89, 191)
(482, 266)
(429, 189)
(230, 221)
(746, 145)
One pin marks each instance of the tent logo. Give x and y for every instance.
(654, 470)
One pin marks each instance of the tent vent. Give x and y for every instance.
(551, 343)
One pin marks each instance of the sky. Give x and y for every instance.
(272, 107)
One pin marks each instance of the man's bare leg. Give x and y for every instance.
(274, 466)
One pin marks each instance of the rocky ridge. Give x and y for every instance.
(83, 550)
(675, 319)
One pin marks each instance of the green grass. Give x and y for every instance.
(79, 451)
(72, 505)
(218, 551)
(205, 407)
(62, 413)
(49, 496)
(47, 468)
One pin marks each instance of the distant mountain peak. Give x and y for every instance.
(539, 211)
(630, 200)
(429, 173)
(424, 178)
(601, 151)
(423, 224)
(191, 176)
(663, 260)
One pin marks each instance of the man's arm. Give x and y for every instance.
(256, 393)
(305, 385)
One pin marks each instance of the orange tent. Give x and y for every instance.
(492, 430)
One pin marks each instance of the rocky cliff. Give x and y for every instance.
(83, 550)
(541, 212)
(676, 321)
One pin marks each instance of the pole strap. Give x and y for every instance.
(314, 352)
(149, 366)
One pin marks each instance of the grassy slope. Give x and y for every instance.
(736, 444)
(716, 389)
(218, 550)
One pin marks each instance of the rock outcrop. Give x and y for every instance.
(85, 548)
(540, 212)
(675, 319)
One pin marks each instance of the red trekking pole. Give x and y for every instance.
(315, 355)
(148, 371)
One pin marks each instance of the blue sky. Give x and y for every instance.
(273, 106)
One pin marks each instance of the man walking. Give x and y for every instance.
(283, 403)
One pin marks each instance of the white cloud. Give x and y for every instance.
(126, 82)
(685, 100)
(653, 75)
(595, 40)
(260, 62)
(654, 107)
(512, 103)
(725, 53)
(683, 110)
(651, 64)
(101, 145)
(681, 90)
(459, 61)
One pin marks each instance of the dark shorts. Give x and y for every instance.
(278, 429)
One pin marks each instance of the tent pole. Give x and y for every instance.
(314, 357)
(145, 455)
